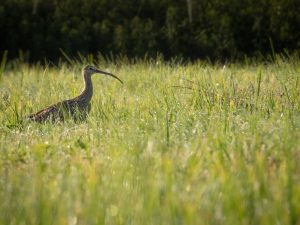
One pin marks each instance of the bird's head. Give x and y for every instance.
(89, 70)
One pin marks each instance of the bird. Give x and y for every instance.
(76, 108)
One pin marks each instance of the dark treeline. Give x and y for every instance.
(215, 29)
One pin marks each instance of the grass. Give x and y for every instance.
(190, 143)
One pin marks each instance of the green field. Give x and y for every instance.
(178, 143)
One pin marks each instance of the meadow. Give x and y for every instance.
(178, 143)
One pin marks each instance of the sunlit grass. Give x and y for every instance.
(176, 144)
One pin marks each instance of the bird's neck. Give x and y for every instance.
(87, 92)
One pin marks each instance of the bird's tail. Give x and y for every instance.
(31, 118)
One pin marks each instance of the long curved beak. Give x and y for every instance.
(109, 74)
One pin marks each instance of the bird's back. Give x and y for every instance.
(61, 110)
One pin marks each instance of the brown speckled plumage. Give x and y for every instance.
(76, 108)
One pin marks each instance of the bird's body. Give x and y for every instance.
(61, 110)
(76, 108)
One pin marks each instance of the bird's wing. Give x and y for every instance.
(51, 112)
(56, 112)
(69, 105)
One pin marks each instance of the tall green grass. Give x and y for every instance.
(178, 143)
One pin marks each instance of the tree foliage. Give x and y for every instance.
(194, 28)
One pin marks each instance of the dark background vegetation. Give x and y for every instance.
(214, 29)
